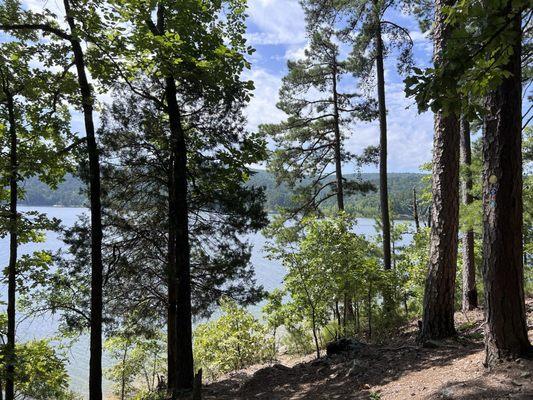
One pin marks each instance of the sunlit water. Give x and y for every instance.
(269, 273)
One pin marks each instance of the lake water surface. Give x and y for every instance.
(269, 274)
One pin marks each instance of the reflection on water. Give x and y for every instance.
(269, 274)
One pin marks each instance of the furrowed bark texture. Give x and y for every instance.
(437, 322)
(503, 274)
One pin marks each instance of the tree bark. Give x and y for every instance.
(415, 211)
(180, 322)
(469, 267)
(503, 274)
(95, 367)
(179, 325)
(336, 123)
(13, 247)
(437, 322)
(383, 187)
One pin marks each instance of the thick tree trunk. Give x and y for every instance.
(469, 267)
(437, 322)
(95, 363)
(503, 274)
(383, 187)
(183, 378)
(13, 247)
(180, 364)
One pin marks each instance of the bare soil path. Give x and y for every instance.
(400, 370)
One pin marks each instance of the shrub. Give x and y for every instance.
(233, 341)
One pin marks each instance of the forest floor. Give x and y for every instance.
(395, 371)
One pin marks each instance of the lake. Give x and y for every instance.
(269, 274)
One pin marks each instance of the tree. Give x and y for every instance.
(311, 140)
(14, 18)
(139, 363)
(196, 53)
(231, 342)
(39, 372)
(438, 321)
(136, 165)
(34, 130)
(364, 26)
(310, 152)
(327, 263)
(490, 47)
(503, 274)
(469, 267)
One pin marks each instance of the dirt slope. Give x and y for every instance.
(400, 370)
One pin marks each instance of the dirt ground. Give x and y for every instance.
(400, 370)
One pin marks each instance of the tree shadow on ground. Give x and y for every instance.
(344, 376)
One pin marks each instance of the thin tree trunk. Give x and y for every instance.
(13, 247)
(415, 211)
(506, 327)
(383, 187)
(370, 313)
(437, 322)
(338, 315)
(95, 363)
(336, 123)
(315, 337)
(469, 267)
(123, 383)
(358, 317)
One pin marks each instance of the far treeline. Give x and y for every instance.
(165, 154)
(69, 193)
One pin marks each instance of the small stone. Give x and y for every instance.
(366, 386)
(526, 374)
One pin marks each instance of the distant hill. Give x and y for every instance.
(363, 205)
(69, 193)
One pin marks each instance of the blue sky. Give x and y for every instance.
(276, 28)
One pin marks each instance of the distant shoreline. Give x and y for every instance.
(400, 217)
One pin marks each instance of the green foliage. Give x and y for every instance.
(40, 372)
(233, 341)
(310, 152)
(139, 364)
(328, 268)
(473, 62)
(412, 268)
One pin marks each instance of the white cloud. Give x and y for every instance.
(410, 135)
(262, 108)
(279, 22)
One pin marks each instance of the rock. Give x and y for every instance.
(366, 386)
(281, 367)
(526, 374)
(447, 393)
(342, 346)
(431, 344)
